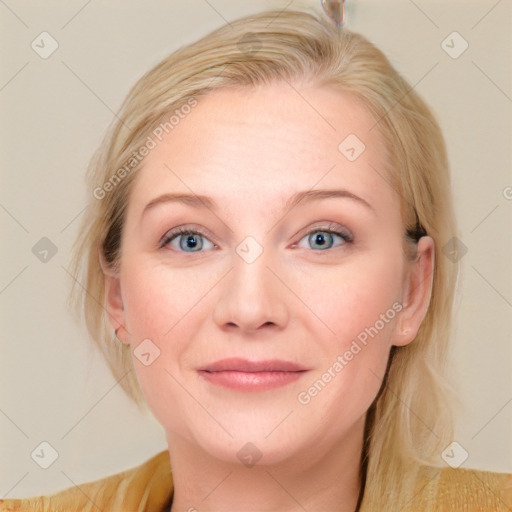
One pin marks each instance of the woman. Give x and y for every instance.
(264, 237)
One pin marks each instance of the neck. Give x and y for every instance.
(319, 479)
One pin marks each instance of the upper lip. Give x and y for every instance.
(244, 365)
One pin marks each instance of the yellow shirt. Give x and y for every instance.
(149, 488)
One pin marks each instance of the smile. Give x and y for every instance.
(245, 375)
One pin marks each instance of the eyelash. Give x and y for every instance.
(332, 228)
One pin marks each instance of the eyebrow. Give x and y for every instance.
(200, 201)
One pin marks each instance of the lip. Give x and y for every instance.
(245, 375)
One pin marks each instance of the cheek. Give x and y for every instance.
(352, 297)
(161, 305)
(165, 306)
(157, 298)
(360, 304)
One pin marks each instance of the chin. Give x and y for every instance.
(249, 452)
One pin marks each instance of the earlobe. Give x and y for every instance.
(113, 301)
(416, 293)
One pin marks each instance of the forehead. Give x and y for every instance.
(267, 142)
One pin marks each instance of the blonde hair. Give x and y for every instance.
(409, 420)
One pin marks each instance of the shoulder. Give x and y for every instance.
(466, 489)
(144, 487)
(445, 489)
(478, 488)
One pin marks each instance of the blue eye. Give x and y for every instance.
(188, 240)
(322, 239)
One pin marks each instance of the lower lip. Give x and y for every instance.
(251, 381)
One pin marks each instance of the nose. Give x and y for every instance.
(251, 298)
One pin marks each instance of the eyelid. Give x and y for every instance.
(178, 230)
(328, 226)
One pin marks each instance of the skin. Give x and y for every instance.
(250, 151)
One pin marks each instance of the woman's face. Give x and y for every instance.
(272, 322)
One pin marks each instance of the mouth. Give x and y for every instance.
(245, 375)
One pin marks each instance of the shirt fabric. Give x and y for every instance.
(149, 488)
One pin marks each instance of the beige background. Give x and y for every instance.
(54, 113)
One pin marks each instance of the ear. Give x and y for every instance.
(416, 292)
(113, 301)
